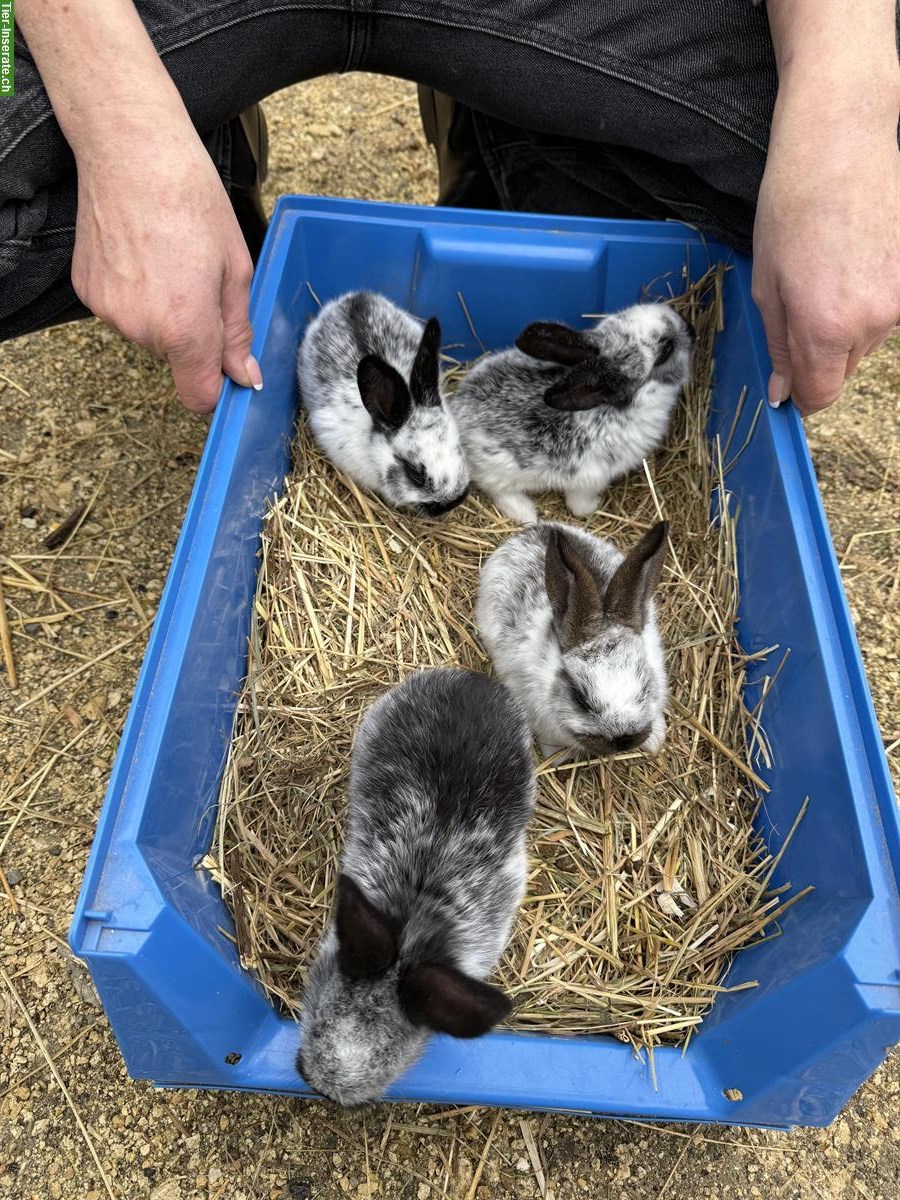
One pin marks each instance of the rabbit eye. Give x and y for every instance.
(415, 474)
(665, 351)
(579, 698)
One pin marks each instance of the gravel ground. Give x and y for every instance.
(87, 419)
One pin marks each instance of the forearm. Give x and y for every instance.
(100, 69)
(844, 54)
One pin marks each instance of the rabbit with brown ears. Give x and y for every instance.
(570, 624)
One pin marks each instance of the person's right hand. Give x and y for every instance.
(160, 257)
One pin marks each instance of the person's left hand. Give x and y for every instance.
(826, 273)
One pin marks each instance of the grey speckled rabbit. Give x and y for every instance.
(572, 410)
(369, 379)
(570, 624)
(441, 790)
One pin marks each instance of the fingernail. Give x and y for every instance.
(778, 389)
(254, 374)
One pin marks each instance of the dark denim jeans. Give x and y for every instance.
(636, 107)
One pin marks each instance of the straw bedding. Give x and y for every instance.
(645, 874)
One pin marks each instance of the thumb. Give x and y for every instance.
(237, 361)
(196, 371)
(775, 321)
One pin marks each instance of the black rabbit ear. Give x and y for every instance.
(446, 1000)
(384, 393)
(554, 342)
(596, 382)
(367, 946)
(425, 375)
(629, 591)
(574, 593)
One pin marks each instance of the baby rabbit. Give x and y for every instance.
(570, 624)
(569, 410)
(441, 790)
(369, 379)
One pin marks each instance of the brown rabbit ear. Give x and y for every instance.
(384, 393)
(630, 589)
(425, 376)
(446, 1000)
(554, 342)
(595, 382)
(367, 946)
(574, 593)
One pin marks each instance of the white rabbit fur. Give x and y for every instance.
(570, 625)
(368, 374)
(572, 410)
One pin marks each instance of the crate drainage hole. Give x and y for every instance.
(729, 1093)
(233, 1059)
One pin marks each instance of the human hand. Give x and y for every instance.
(159, 254)
(826, 273)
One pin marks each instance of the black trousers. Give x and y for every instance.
(633, 107)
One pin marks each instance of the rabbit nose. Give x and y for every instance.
(439, 508)
(628, 741)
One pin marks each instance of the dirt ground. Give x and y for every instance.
(87, 419)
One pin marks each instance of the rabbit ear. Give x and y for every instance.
(384, 393)
(553, 342)
(424, 379)
(598, 381)
(367, 946)
(444, 999)
(630, 589)
(573, 591)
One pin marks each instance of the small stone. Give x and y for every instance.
(14, 876)
(112, 614)
(28, 510)
(32, 627)
(56, 851)
(29, 522)
(170, 1190)
(522, 1166)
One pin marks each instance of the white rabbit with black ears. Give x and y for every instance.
(442, 786)
(571, 410)
(369, 377)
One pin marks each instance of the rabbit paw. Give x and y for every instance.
(582, 502)
(655, 739)
(517, 507)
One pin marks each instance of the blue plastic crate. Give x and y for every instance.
(828, 1005)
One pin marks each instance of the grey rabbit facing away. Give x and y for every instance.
(369, 378)
(570, 625)
(571, 410)
(442, 787)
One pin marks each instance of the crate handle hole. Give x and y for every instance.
(233, 1059)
